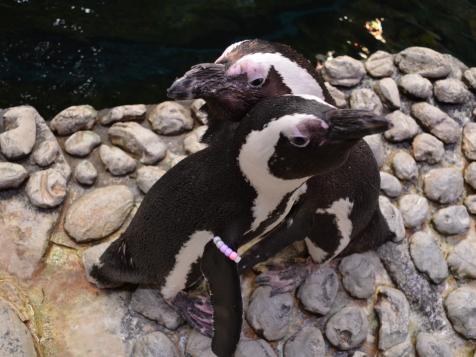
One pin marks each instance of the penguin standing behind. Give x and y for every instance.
(236, 190)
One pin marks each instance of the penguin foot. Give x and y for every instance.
(285, 279)
(196, 310)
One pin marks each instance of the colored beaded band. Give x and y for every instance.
(226, 250)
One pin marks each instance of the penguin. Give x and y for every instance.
(230, 193)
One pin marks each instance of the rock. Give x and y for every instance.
(360, 354)
(387, 90)
(393, 312)
(72, 119)
(380, 64)
(85, 173)
(470, 203)
(404, 349)
(198, 345)
(416, 86)
(423, 61)
(437, 122)
(376, 145)
(255, 348)
(343, 71)
(452, 220)
(347, 328)
(82, 143)
(339, 97)
(308, 342)
(192, 142)
(429, 345)
(46, 189)
(403, 127)
(470, 174)
(124, 113)
(390, 184)
(147, 176)
(427, 148)
(319, 291)
(364, 98)
(139, 141)
(46, 153)
(469, 141)
(462, 260)
(393, 217)
(427, 256)
(15, 338)
(198, 113)
(170, 118)
(457, 67)
(470, 77)
(358, 275)
(155, 344)
(451, 91)
(404, 166)
(98, 213)
(445, 185)
(19, 137)
(116, 161)
(11, 175)
(270, 316)
(461, 307)
(414, 209)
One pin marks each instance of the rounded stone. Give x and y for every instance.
(72, 119)
(116, 161)
(192, 142)
(319, 290)
(444, 185)
(98, 213)
(46, 189)
(170, 118)
(198, 345)
(461, 307)
(347, 328)
(427, 148)
(343, 71)
(429, 345)
(134, 112)
(388, 91)
(414, 209)
(470, 174)
(147, 176)
(469, 77)
(423, 61)
(256, 348)
(82, 143)
(390, 185)
(470, 203)
(198, 112)
(416, 86)
(380, 64)
(308, 342)
(452, 220)
(85, 173)
(366, 99)
(154, 344)
(375, 143)
(402, 127)
(11, 175)
(340, 98)
(358, 275)
(428, 257)
(469, 141)
(46, 153)
(393, 218)
(462, 260)
(451, 91)
(19, 137)
(404, 166)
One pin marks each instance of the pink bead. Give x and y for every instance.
(228, 252)
(233, 256)
(223, 249)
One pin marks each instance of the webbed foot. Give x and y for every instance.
(196, 310)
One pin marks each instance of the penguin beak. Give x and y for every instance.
(350, 124)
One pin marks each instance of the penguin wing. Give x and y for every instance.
(225, 290)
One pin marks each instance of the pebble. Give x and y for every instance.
(343, 71)
(470, 77)
(198, 345)
(116, 161)
(319, 290)
(256, 348)
(461, 307)
(72, 119)
(308, 342)
(429, 345)
(404, 166)
(443, 185)
(451, 91)
(154, 344)
(404, 349)
(198, 112)
(11, 175)
(98, 213)
(416, 86)
(170, 118)
(347, 328)
(428, 257)
(19, 137)
(340, 98)
(380, 64)
(414, 209)
(427, 148)
(124, 113)
(85, 173)
(390, 185)
(470, 174)
(358, 275)
(147, 176)
(452, 220)
(402, 127)
(82, 143)
(423, 61)
(387, 90)
(393, 217)
(470, 203)
(469, 141)
(364, 98)
(46, 153)
(192, 142)
(46, 188)
(375, 143)
(462, 260)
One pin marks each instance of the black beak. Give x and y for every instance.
(350, 124)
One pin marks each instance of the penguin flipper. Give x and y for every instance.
(225, 290)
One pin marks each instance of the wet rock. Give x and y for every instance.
(364, 98)
(470, 203)
(11, 175)
(403, 127)
(46, 153)
(416, 86)
(393, 217)
(380, 64)
(124, 113)
(390, 185)
(47, 188)
(451, 91)
(445, 185)
(358, 275)
(82, 143)
(469, 141)
(343, 71)
(414, 209)
(452, 220)
(98, 213)
(170, 118)
(319, 290)
(462, 260)
(147, 176)
(192, 142)
(116, 161)
(375, 143)
(85, 173)
(139, 141)
(461, 307)
(339, 97)
(72, 119)
(404, 166)
(427, 256)
(19, 137)
(198, 345)
(429, 345)
(470, 174)
(347, 328)
(198, 113)
(427, 148)
(308, 342)
(423, 61)
(387, 90)
(155, 344)
(470, 77)
(255, 348)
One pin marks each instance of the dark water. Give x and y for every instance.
(54, 54)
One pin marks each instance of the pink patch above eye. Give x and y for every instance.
(252, 69)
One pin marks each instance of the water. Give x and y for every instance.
(54, 54)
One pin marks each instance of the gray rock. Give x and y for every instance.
(82, 143)
(308, 342)
(429, 345)
(19, 137)
(139, 141)
(403, 127)
(461, 307)
(116, 161)
(470, 203)
(387, 90)
(423, 61)
(343, 71)
(427, 148)
(469, 141)
(319, 290)
(470, 77)
(198, 345)
(457, 67)
(11, 175)
(360, 354)
(404, 349)
(347, 328)
(437, 122)
(340, 98)
(98, 213)
(414, 209)
(462, 260)
(170, 118)
(380, 64)
(154, 344)
(256, 348)
(364, 98)
(451, 91)
(46, 153)
(427, 256)
(358, 275)
(134, 112)
(452, 220)
(85, 173)
(47, 188)
(72, 119)
(192, 142)
(147, 176)
(445, 185)
(375, 143)
(393, 312)
(416, 86)
(390, 185)
(404, 166)
(270, 316)
(197, 111)
(470, 174)
(393, 217)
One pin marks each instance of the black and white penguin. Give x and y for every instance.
(236, 190)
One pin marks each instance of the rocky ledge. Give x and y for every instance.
(64, 194)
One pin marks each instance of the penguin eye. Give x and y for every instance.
(257, 82)
(299, 141)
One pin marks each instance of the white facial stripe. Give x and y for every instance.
(316, 99)
(188, 254)
(317, 254)
(229, 49)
